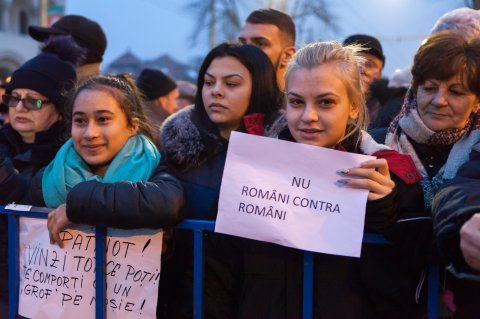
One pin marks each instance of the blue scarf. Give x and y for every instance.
(136, 161)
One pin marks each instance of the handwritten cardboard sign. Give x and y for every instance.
(288, 193)
(60, 283)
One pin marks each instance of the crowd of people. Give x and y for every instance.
(110, 150)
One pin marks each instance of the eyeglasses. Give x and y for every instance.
(29, 103)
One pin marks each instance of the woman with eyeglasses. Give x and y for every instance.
(35, 103)
(37, 129)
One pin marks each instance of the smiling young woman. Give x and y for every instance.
(99, 128)
(109, 160)
(326, 108)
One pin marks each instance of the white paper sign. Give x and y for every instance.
(287, 193)
(18, 207)
(60, 282)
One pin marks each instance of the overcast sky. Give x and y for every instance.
(149, 28)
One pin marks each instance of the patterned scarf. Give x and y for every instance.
(408, 124)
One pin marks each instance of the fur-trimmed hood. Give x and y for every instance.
(184, 144)
(188, 142)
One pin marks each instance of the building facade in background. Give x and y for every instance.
(16, 46)
(129, 63)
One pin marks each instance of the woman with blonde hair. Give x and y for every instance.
(325, 107)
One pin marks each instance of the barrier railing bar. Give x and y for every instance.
(198, 226)
(100, 266)
(307, 311)
(13, 266)
(369, 238)
(433, 289)
(197, 273)
(195, 224)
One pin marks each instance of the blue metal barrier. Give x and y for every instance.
(198, 227)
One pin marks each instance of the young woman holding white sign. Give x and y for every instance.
(325, 107)
(236, 91)
(108, 173)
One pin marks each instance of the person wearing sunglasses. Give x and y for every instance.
(36, 130)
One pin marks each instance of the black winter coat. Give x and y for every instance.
(18, 164)
(153, 204)
(455, 203)
(20, 161)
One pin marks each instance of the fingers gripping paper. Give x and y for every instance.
(60, 283)
(287, 193)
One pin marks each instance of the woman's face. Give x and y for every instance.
(445, 104)
(318, 106)
(226, 93)
(29, 122)
(99, 128)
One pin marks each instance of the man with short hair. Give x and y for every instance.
(86, 33)
(274, 33)
(160, 92)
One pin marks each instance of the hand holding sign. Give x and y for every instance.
(264, 197)
(57, 221)
(374, 176)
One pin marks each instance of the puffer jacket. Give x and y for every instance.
(153, 204)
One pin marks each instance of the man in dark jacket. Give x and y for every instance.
(456, 221)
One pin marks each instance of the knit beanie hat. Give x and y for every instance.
(155, 83)
(371, 45)
(86, 33)
(46, 74)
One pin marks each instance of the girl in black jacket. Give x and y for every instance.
(108, 173)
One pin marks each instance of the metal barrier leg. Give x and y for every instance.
(197, 274)
(100, 280)
(13, 266)
(433, 291)
(307, 312)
